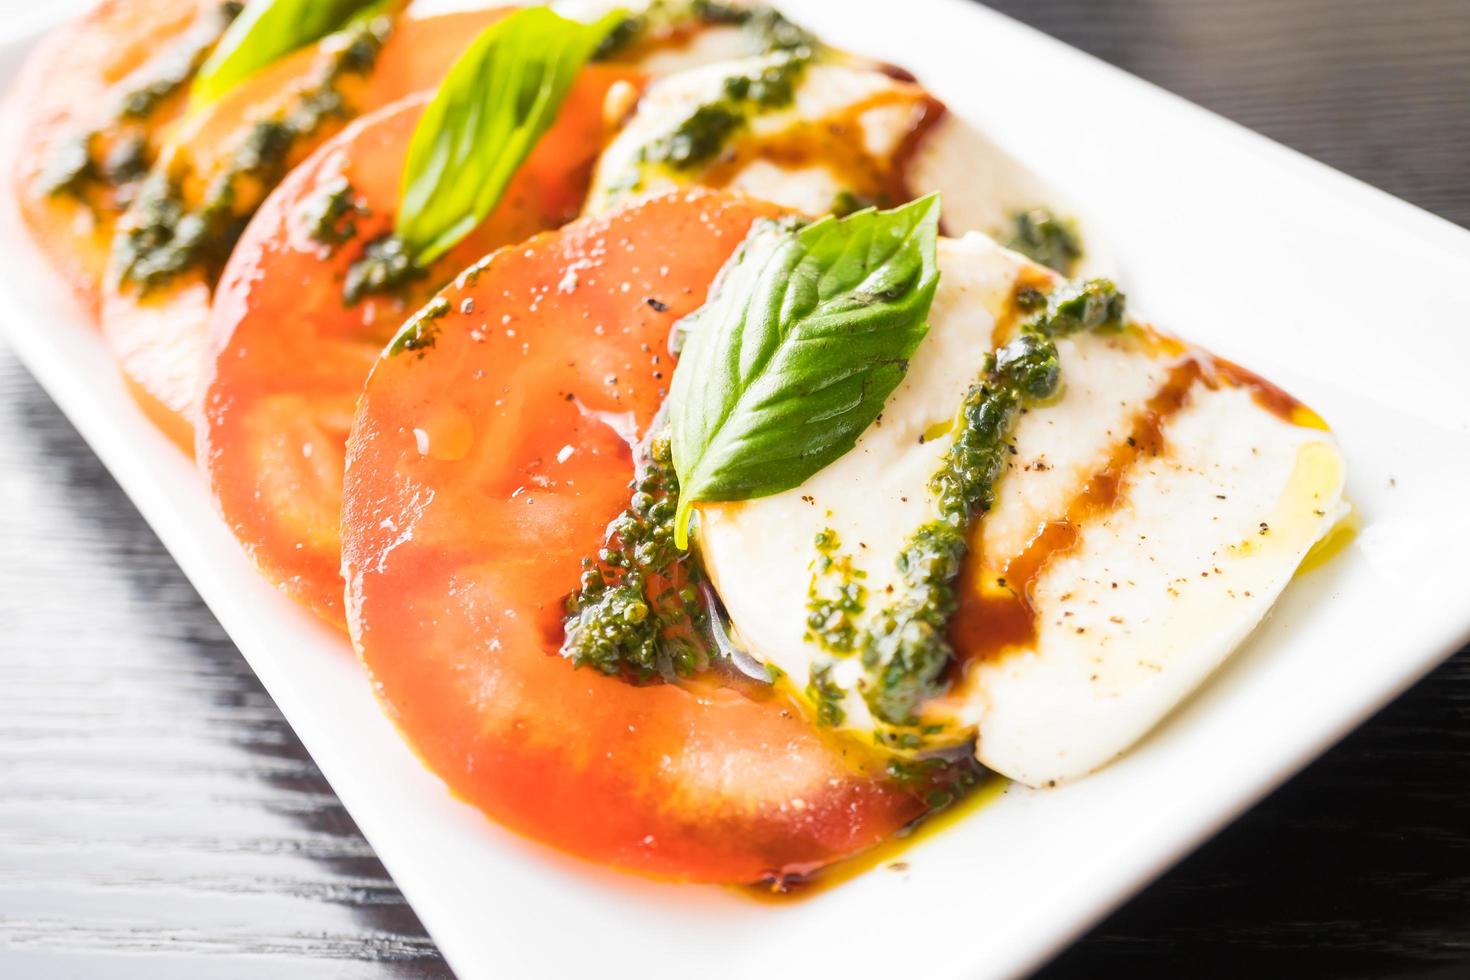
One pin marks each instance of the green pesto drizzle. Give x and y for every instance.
(164, 237)
(943, 781)
(699, 138)
(173, 71)
(827, 695)
(623, 36)
(832, 612)
(907, 650)
(384, 266)
(766, 28)
(331, 214)
(1044, 237)
(422, 329)
(74, 167)
(127, 161)
(616, 622)
(773, 87)
(1079, 308)
(71, 168)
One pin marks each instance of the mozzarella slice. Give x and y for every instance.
(761, 554)
(843, 133)
(680, 42)
(1152, 560)
(985, 188)
(1157, 590)
(854, 134)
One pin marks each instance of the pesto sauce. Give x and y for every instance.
(73, 167)
(904, 647)
(827, 695)
(385, 266)
(624, 34)
(697, 139)
(179, 65)
(773, 87)
(1079, 307)
(331, 214)
(907, 650)
(1043, 237)
(944, 782)
(127, 161)
(701, 137)
(422, 330)
(163, 237)
(626, 618)
(767, 29)
(832, 612)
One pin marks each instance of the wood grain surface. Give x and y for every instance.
(158, 819)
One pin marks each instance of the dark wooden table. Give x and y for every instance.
(158, 819)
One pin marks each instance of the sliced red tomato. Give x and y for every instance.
(484, 464)
(74, 85)
(157, 335)
(287, 357)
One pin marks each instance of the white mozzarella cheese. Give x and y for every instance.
(707, 46)
(1153, 588)
(984, 187)
(760, 553)
(1157, 592)
(838, 106)
(839, 99)
(1060, 447)
(686, 43)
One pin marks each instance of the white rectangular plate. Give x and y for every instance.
(1321, 283)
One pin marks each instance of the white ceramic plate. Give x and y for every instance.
(1326, 286)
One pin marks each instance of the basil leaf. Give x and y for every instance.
(490, 110)
(265, 31)
(806, 334)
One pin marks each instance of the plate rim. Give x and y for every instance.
(86, 410)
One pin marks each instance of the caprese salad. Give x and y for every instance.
(719, 455)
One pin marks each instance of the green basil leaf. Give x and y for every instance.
(806, 334)
(267, 30)
(490, 110)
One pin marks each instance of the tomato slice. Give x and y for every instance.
(157, 336)
(287, 357)
(482, 467)
(74, 85)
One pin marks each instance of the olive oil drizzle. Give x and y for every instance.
(974, 789)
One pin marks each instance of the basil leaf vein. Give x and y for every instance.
(493, 105)
(268, 30)
(806, 334)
